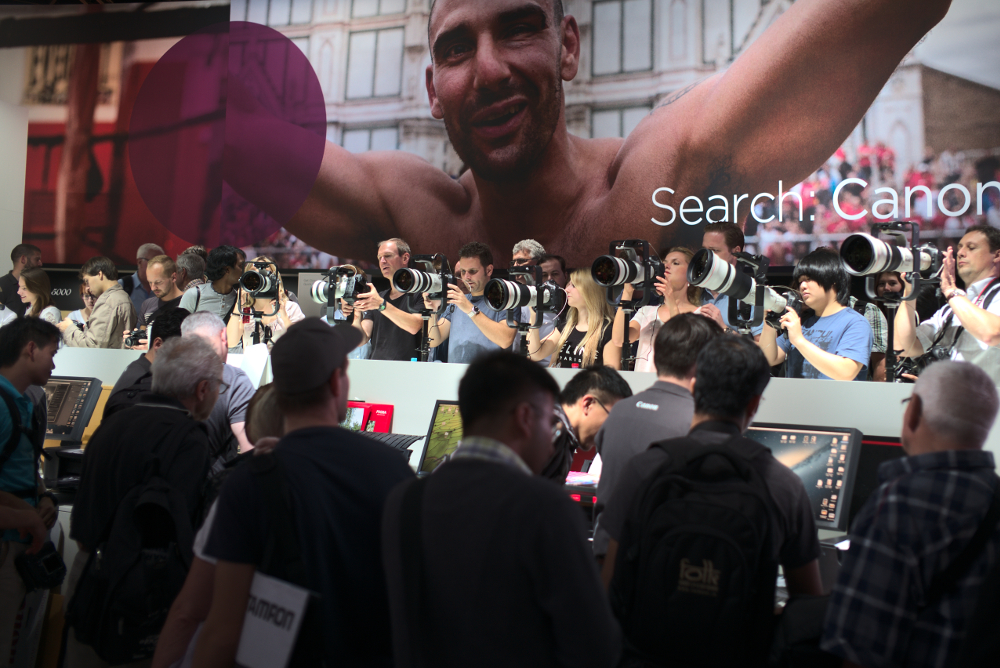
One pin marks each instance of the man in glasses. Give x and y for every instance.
(137, 285)
(584, 405)
(226, 424)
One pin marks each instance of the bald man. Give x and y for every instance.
(883, 612)
(496, 80)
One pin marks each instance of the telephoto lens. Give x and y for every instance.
(609, 270)
(412, 281)
(504, 295)
(707, 270)
(864, 255)
(320, 291)
(261, 283)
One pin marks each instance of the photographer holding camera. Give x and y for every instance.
(481, 328)
(967, 328)
(279, 312)
(832, 341)
(390, 319)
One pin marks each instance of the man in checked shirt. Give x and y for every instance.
(930, 504)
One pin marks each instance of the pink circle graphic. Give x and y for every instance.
(227, 134)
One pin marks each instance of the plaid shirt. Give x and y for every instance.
(878, 324)
(915, 524)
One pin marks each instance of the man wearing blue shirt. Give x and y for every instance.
(725, 240)
(27, 347)
(471, 326)
(832, 342)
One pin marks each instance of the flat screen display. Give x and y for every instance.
(443, 436)
(70, 403)
(825, 458)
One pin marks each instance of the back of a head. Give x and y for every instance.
(167, 323)
(100, 264)
(602, 382)
(192, 264)
(220, 260)
(825, 266)
(15, 335)
(203, 323)
(182, 363)
(679, 341)
(959, 402)
(21, 250)
(149, 249)
(495, 383)
(264, 416)
(731, 370)
(196, 250)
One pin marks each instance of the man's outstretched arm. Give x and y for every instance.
(784, 106)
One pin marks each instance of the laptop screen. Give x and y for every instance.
(443, 436)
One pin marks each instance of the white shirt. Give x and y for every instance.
(968, 348)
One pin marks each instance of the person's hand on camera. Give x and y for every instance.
(431, 304)
(368, 301)
(347, 310)
(627, 291)
(790, 321)
(662, 286)
(712, 312)
(64, 324)
(47, 511)
(457, 298)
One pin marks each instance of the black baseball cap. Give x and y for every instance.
(306, 356)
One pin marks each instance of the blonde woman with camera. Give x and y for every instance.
(241, 326)
(585, 340)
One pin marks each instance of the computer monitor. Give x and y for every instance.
(825, 458)
(443, 436)
(71, 402)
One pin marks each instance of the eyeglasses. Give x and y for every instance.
(602, 405)
(520, 262)
(903, 402)
(223, 387)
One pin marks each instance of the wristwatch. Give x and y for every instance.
(474, 312)
(381, 307)
(956, 292)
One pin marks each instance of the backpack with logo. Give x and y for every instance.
(132, 578)
(695, 573)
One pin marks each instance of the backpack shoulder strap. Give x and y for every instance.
(282, 554)
(949, 577)
(15, 428)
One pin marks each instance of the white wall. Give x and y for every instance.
(14, 149)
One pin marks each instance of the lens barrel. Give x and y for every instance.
(864, 255)
(609, 270)
(320, 291)
(412, 281)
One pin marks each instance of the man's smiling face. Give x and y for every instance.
(496, 81)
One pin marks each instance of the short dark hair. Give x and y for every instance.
(166, 322)
(601, 381)
(557, 8)
(679, 341)
(221, 259)
(21, 250)
(477, 250)
(558, 258)
(100, 264)
(15, 335)
(496, 382)
(825, 266)
(731, 370)
(991, 233)
(731, 232)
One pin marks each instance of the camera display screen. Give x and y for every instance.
(70, 404)
(825, 458)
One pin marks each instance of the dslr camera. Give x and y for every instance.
(433, 279)
(345, 283)
(506, 295)
(260, 282)
(137, 337)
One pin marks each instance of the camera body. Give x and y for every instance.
(135, 338)
(261, 282)
(345, 282)
(628, 261)
(44, 570)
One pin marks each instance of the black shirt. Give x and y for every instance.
(338, 482)
(136, 379)
(510, 578)
(389, 341)
(572, 351)
(152, 305)
(9, 296)
(116, 458)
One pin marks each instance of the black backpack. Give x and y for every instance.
(132, 578)
(695, 574)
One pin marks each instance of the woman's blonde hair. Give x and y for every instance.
(264, 418)
(599, 317)
(273, 267)
(693, 293)
(37, 283)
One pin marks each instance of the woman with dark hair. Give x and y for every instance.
(831, 340)
(35, 290)
(678, 295)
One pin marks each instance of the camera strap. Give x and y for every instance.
(16, 430)
(987, 295)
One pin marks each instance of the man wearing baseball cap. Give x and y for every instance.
(337, 482)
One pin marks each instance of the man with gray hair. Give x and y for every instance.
(136, 285)
(925, 541)
(226, 424)
(190, 270)
(527, 252)
(187, 379)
